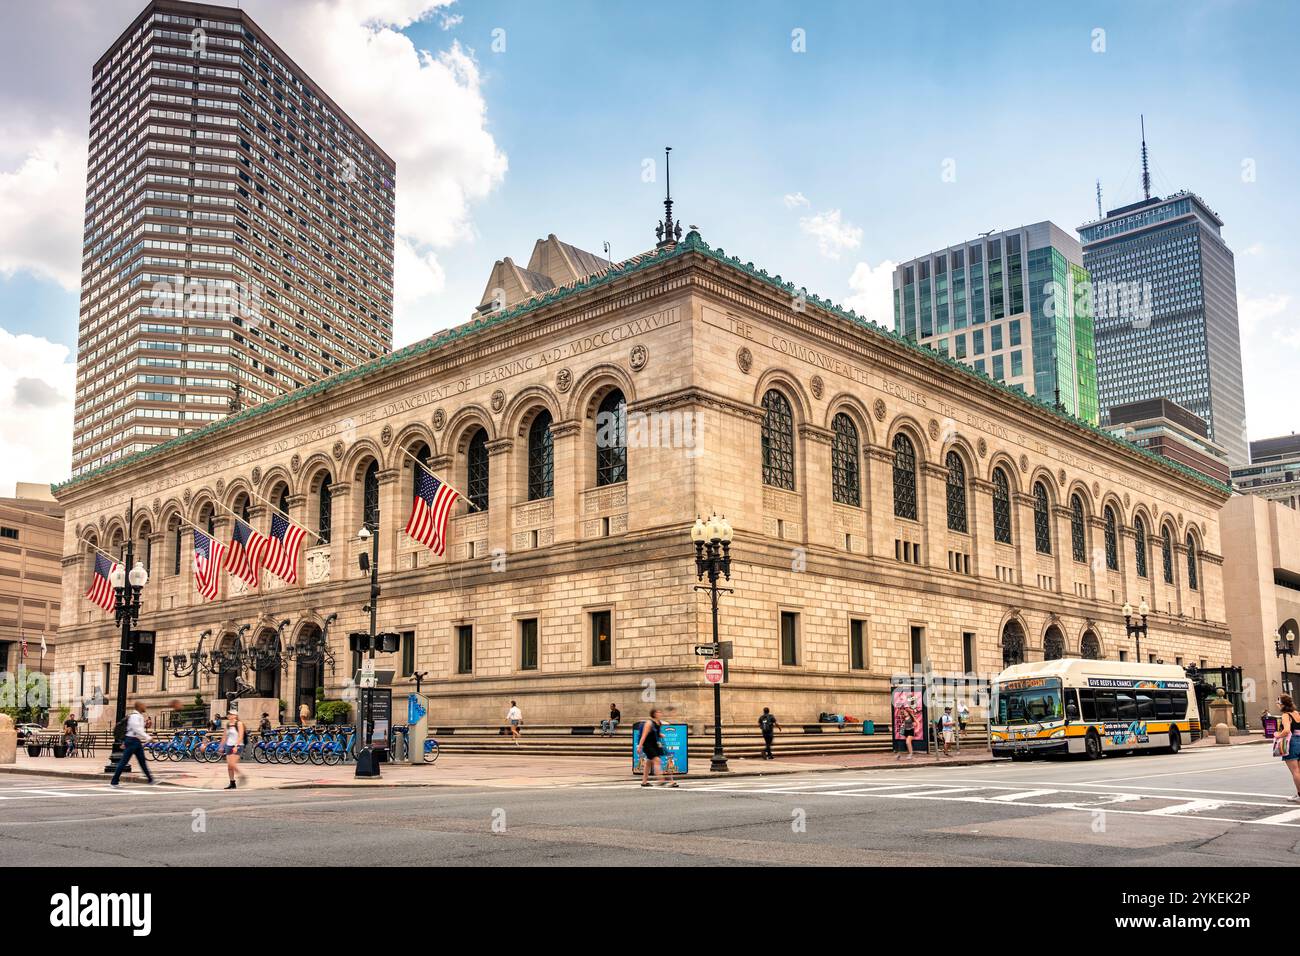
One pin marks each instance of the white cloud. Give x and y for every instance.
(833, 235)
(1254, 313)
(424, 108)
(795, 200)
(872, 292)
(41, 205)
(37, 383)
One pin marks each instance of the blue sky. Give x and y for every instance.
(1015, 98)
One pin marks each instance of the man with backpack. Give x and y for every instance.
(946, 730)
(768, 725)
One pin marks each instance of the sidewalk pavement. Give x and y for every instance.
(518, 769)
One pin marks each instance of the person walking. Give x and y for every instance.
(651, 747)
(233, 745)
(265, 726)
(907, 718)
(769, 725)
(947, 730)
(514, 719)
(133, 744)
(304, 715)
(1289, 748)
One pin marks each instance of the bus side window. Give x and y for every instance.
(1087, 703)
(1146, 708)
(1164, 705)
(1106, 706)
(1180, 704)
(1127, 706)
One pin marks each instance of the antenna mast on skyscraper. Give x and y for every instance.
(1099, 212)
(1146, 171)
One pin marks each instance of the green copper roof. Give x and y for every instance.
(692, 242)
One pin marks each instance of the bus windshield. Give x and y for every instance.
(1027, 702)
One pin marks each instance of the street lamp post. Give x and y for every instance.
(366, 765)
(713, 559)
(1286, 647)
(1136, 630)
(126, 607)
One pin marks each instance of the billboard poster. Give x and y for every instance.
(909, 700)
(673, 741)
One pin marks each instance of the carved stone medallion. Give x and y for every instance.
(564, 380)
(878, 409)
(498, 400)
(639, 357)
(817, 386)
(744, 360)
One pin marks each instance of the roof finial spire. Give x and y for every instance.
(667, 232)
(1146, 172)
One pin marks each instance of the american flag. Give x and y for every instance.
(101, 588)
(209, 554)
(282, 548)
(429, 510)
(247, 549)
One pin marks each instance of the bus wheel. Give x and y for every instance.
(1175, 740)
(1019, 756)
(1092, 745)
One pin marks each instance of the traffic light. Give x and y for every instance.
(386, 642)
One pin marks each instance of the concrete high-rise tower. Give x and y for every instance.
(239, 232)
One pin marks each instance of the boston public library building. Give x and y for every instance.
(893, 510)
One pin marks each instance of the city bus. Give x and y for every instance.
(1091, 708)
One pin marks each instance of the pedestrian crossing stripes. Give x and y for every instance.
(1263, 811)
(10, 794)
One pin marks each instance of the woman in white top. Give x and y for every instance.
(233, 745)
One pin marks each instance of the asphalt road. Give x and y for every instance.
(1205, 808)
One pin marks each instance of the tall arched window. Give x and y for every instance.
(1078, 545)
(477, 469)
(904, 477)
(1090, 647)
(1013, 643)
(1001, 507)
(541, 457)
(242, 508)
(370, 496)
(1053, 644)
(1112, 544)
(1140, 545)
(778, 441)
(611, 439)
(176, 546)
(845, 485)
(956, 492)
(1167, 554)
(324, 520)
(282, 500)
(1042, 520)
(1193, 581)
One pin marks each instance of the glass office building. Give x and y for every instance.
(1165, 301)
(1012, 304)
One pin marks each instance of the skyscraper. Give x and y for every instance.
(1009, 304)
(239, 232)
(1165, 301)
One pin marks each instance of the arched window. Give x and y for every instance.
(1167, 554)
(1192, 578)
(242, 508)
(477, 470)
(956, 492)
(1090, 647)
(904, 477)
(1013, 643)
(1042, 520)
(541, 457)
(208, 519)
(1053, 644)
(1140, 545)
(1001, 507)
(1112, 544)
(1078, 545)
(324, 521)
(778, 441)
(611, 439)
(845, 484)
(370, 496)
(282, 501)
(176, 546)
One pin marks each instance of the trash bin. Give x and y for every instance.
(868, 726)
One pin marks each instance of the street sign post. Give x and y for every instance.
(713, 671)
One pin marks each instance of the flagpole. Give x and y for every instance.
(462, 495)
(99, 549)
(285, 516)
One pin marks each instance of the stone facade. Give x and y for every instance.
(695, 341)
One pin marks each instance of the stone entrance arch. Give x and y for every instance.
(1053, 644)
(1013, 643)
(1090, 647)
